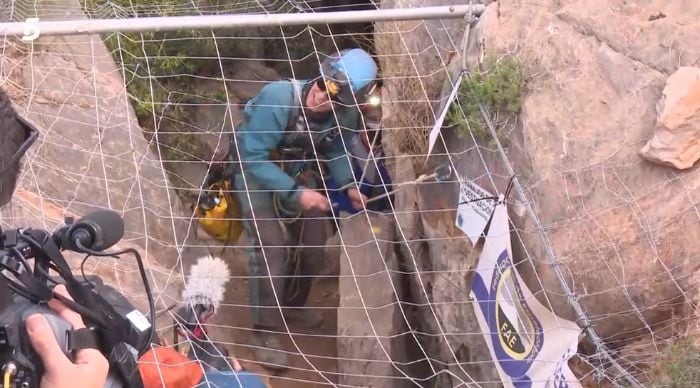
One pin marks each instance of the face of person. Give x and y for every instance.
(317, 100)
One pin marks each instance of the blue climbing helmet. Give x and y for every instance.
(349, 72)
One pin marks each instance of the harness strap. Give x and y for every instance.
(295, 113)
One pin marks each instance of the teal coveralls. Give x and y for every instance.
(268, 126)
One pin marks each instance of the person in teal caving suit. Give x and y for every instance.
(293, 132)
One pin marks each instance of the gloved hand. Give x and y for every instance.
(356, 198)
(310, 199)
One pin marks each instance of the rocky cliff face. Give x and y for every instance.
(676, 140)
(91, 154)
(428, 307)
(623, 229)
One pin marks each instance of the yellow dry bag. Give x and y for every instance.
(218, 212)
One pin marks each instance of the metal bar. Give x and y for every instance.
(401, 187)
(437, 175)
(34, 28)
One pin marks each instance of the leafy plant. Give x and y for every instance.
(184, 147)
(679, 366)
(499, 88)
(159, 66)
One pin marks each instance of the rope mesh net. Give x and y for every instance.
(134, 121)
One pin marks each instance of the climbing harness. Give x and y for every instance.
(300, 137)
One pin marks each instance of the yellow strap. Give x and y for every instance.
(6, 379)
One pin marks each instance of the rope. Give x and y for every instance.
(295, 260)
(303, 177)
(280, 210)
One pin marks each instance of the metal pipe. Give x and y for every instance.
(35, 28)
(441, 173)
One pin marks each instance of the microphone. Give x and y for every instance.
(96, 231)
(206, 283)
(203, 293)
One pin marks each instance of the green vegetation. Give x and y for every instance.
(161, 70)
(500, 87)
(184, 146)
(161, 66)
(166, 73)
(145, 54)
(679, 366)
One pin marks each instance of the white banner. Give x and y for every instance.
(432, 138)
(530, 345)
(473, 213)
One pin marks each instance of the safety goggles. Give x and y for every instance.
(30, 135)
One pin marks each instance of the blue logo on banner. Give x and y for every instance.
(514, 353)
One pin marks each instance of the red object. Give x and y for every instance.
(164, 367)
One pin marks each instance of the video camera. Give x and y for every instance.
(113, 325)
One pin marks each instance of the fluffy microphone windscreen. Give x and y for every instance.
(207, 282)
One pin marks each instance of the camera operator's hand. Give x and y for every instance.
(90, 368)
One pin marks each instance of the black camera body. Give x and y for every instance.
(15, 347)
(16, 352)
(113, 325)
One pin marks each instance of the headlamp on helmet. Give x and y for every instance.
(374, 100)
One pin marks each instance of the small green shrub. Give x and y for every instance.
(500, 88)
(679, 366)
(159, 64)
(183, 147)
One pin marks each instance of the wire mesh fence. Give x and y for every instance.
(138, 121)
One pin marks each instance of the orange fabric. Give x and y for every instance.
(177, 370)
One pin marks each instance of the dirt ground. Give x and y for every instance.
(232, 326)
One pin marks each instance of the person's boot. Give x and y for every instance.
(269, 351)
(303, 316)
